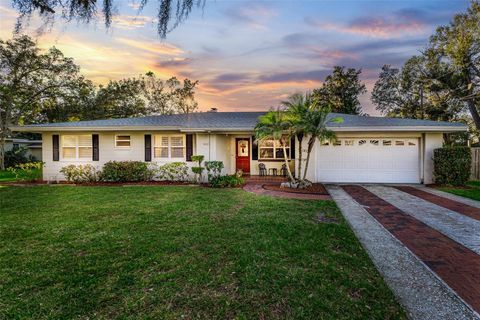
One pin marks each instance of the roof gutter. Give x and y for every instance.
(401, 128)
(158, 128)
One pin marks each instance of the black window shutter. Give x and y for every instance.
(96, 153)
(254, 149)
(56, 147)
(292, 148)
(189, 146)
(148, 147)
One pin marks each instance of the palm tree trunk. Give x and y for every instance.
(286, 163)
(311, 142)
(300, 139)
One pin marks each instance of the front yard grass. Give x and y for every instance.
(6, 176)
(472, 192)
(180, 252)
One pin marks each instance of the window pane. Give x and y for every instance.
(399, 143)
(266, 153)
(387, 142)
(337, 143)
(161, 152)
(279, 153)
(123, 143)
(69, 153)
(242, 148)
(349, 142)
(267, 144)
(123, 137)
(177, 141)
(177, 152)
(85, 140)
(161, 141)
(362, 142)
(84, 152)
(69, 141)
(279, 145)
(374, 142)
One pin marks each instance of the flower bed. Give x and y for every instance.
(316, 188)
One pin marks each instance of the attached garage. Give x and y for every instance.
(366, 159)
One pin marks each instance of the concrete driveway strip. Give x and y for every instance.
(456, 226)
(460, 207)
(418, 289)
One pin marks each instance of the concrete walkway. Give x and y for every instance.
(395, 237)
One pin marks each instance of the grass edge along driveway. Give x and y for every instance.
(172, 252)
(471, 191)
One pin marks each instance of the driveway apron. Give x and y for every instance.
(451, 260)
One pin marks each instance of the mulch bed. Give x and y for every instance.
(316, 188)
(138, 183)
(101, 183)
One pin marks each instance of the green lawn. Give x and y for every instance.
(6, 176)
(473, 192)
(180, 252)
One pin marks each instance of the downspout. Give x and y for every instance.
(422, 159)
(209, 146)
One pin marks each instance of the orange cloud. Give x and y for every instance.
(374, 27)
(152, 47)
(130, 22)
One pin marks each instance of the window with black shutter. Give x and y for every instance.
(95, 142)
(292, 148)
(56, 147)
(148, 147)
(254, 149)
(189, 146)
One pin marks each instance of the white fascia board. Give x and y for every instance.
(402, 128)
(158, 128)
(122, 128)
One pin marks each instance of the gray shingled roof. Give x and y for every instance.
(237, 120)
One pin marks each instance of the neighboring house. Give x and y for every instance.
(33, 147)
(368, 149)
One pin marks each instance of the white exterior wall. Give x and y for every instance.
(222, 147)
(107, 152)
(205, 146)
(432, 141)
(223, 151)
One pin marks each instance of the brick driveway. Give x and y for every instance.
(417, 225)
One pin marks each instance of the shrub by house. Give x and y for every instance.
(452, 165)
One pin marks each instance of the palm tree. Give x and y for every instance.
(297, 106)
(315, 124)
(274, 125)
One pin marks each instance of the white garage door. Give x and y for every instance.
(380, 160)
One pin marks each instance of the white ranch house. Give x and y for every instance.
(368, 149)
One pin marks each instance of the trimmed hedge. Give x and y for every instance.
(126, 171)
(228, 181)
(452, 165)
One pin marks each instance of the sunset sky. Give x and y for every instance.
(249, 55)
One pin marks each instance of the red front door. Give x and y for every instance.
(242, 154)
